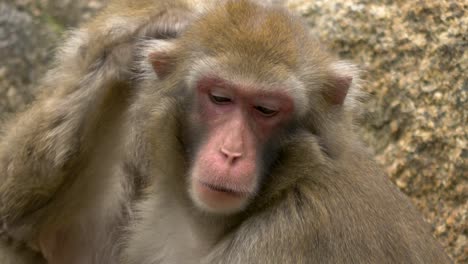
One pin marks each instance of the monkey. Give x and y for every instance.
(199, 132)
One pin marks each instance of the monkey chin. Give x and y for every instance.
(216, 199)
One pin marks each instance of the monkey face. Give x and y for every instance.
(238, 122)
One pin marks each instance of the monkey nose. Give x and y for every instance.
(231, 156)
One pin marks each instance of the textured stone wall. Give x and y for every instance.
(414, 64)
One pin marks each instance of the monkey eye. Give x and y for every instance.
(217, 99)
(266, 111)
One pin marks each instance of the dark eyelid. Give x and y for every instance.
(219, 99)
(266, 111)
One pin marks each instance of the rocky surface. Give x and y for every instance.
(414, 62)
(25, 47)
(29, 32)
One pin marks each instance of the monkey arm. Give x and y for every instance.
(41, 149)
(44, 142)
(266, 238)
(41, 146)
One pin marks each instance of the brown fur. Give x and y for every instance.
(95, 170)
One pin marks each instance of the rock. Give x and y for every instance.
(25, 49)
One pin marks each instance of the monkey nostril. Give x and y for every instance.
(230, 155)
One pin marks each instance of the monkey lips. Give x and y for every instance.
(218, 199)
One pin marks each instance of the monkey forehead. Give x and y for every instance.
(255, 33)
(285, 83)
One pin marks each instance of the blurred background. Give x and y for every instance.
(414, 62)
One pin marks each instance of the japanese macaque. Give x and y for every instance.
(183, 132)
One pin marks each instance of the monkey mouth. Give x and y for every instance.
(223, 189)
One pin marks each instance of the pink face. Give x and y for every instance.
(239, 121)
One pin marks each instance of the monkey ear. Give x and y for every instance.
(160, 55)
(342, 77)
(162, 63)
